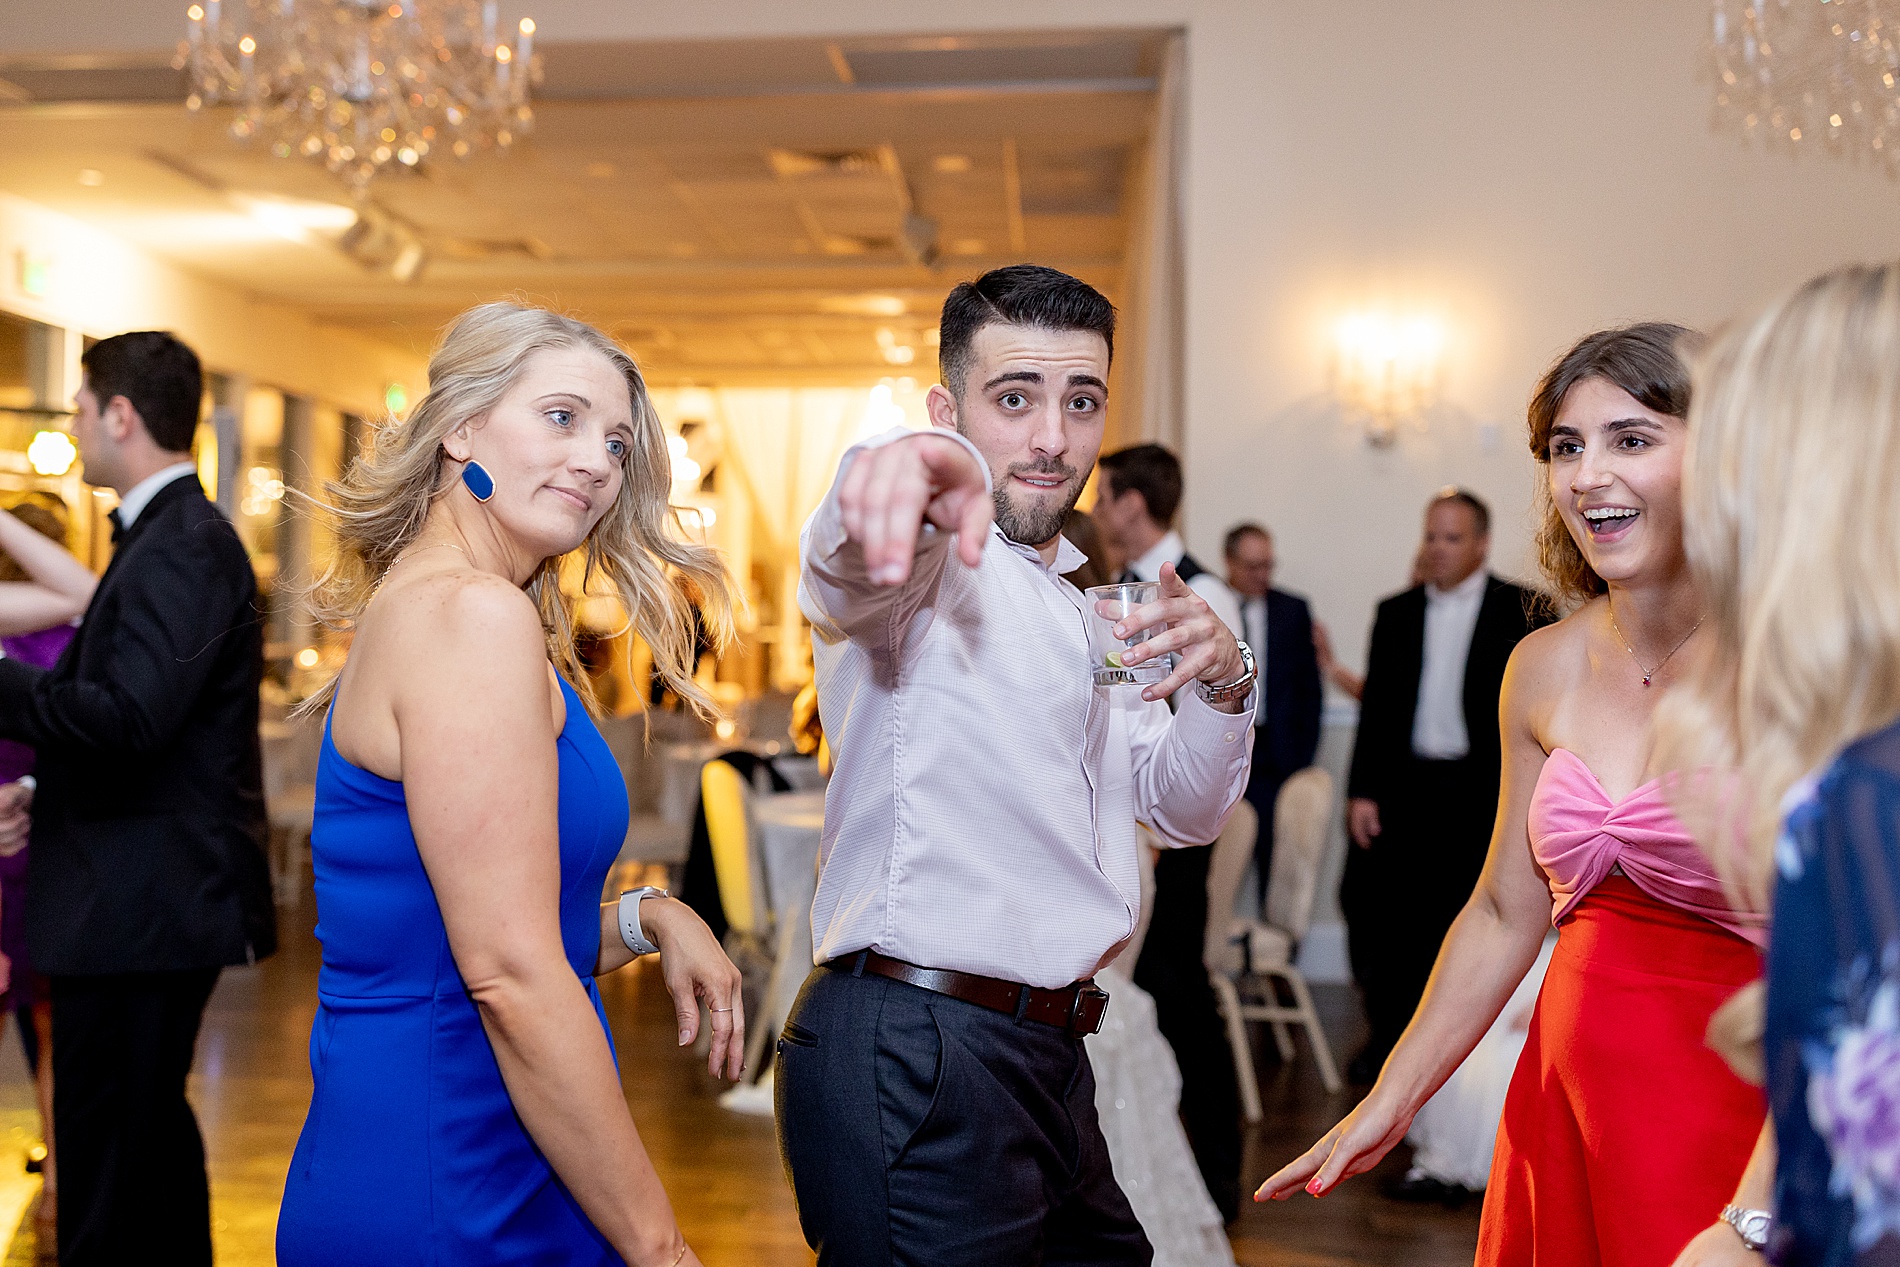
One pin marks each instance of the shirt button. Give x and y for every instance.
(1229, 736)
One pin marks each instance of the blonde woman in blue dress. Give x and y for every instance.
(467, 1107)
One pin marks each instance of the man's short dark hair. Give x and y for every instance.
(1019, 295)
(1240, 532)
(1470, 501)
(158, 374)
(1150, 470)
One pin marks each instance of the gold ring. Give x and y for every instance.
(718, 1009)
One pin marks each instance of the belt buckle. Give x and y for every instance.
(1088, 1009)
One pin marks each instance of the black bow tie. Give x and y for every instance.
(118, 526)
(1128, 577)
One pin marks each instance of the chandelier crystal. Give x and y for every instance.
(1805, 72)
(361, 85)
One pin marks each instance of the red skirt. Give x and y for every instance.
(1623, 1134)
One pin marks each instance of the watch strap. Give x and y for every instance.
(629, 911)
(1751, 1225)
(1222, 692)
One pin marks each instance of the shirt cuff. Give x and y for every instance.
(1205, 727)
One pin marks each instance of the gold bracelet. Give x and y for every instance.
(682, 1254)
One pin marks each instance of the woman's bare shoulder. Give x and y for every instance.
(457, 621)
(1548, 661)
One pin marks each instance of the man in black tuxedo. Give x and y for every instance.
(148, 870)
(1279, 628)
(1423, 790)
(1138, 498)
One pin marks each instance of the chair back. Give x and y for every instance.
(1301, 818)
(728, 803)
(1225, 871)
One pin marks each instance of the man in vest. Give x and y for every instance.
(1136, 502)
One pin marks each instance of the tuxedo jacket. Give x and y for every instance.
(149, 824)
(1288, 734)
(1383, 748)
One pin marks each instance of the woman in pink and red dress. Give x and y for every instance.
(1624, 1136)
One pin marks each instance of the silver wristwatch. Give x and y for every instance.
(637, 941)
(1221, 693)
(1751, 1225)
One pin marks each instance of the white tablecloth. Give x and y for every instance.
(789, 825)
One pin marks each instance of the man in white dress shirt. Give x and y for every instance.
(935, 1102)
(1423, 789)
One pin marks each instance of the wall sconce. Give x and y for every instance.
(1386, 370)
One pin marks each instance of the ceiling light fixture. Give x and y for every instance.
(1789, 69)
(361, 85)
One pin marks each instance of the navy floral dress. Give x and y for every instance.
(1832, 1041)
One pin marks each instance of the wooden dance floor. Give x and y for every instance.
(253, 1084)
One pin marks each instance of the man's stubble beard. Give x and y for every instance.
(1033, 525)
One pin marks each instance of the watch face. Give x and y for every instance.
(1754, 1227)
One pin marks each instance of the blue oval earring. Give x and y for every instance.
(479, 481)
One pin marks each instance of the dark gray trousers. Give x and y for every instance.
(921, 1130)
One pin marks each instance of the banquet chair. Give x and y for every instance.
(727, 800)
(1249, 960)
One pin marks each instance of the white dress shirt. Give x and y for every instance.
(1451, 617)
(1171, 549)
(140, 495)
(982, 808)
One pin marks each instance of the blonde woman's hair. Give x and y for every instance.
(1791, 505)
(638, 548)
(1645, 360)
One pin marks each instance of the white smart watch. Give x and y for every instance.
(638, 942)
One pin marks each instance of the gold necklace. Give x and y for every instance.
(438, 545)
(1650, 673)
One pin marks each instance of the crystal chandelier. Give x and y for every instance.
(1808, 71)
(361, 85)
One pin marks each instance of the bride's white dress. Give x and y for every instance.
(1138, 1096)
(1452, 1136)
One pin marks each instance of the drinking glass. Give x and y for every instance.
(1103, 606)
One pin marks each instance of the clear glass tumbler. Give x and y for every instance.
(1104, 605)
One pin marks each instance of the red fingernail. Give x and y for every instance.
(1314, 1187)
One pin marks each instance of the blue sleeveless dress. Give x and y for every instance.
(412, 1152)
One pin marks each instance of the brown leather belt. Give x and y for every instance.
(1078, 1008)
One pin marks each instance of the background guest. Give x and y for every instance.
(1424, 782)
(1278, 626)
(1136, 503)
(1343, 679)
(148, 870)
(43, 590)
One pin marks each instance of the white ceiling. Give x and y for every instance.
(730, 209)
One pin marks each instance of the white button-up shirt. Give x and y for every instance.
(140, 495)
(1451, 617)
(982, 807)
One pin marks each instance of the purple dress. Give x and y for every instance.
(42, 650)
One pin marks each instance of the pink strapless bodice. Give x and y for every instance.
(1579, 834)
